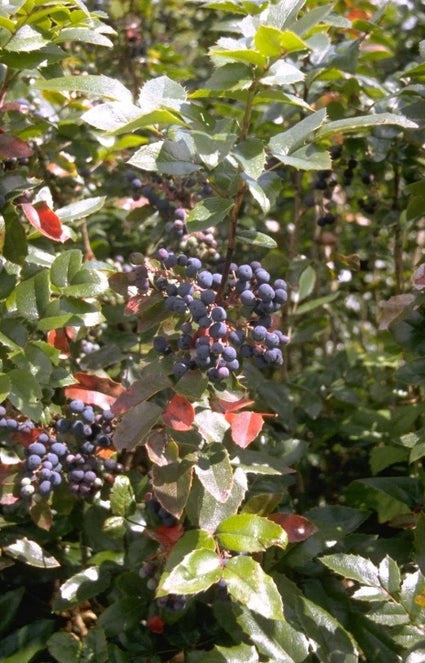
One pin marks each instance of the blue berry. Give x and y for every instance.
(218, 330)
(229, 354)
(179, 369)
(45, 488)
(248, 298)
(218, 314)
(2, 411)
(33, 461)
(280, 284)
(223, 373)
(208, 297)
(273, 356)
(244, 272)
(56, 479)
(205, 279)
(193, 266)
(236, 337)
(37, 448)
(262, 276)
(259, 333)
(272, 340)
(280, 296)
(160, 343)
(265, 292)
(76, 406)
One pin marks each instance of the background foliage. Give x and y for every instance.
(275, 514)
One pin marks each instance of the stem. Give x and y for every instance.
(240, 191)
(398, 244)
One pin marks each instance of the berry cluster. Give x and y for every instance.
(70, 454)
(225, 323)
(155, 508)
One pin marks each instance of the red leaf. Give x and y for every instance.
(133, 305)
(94, 390)
(244, 426)
(179, 413)
(297, 527)
(12, 147)
(27, 437)
(43, 219)
(59, 339)
(233, 406)
(167, 536)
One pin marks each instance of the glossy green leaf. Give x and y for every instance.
(80, 209)
(207, 213)
(364, 122)
(214, 471)
(191, 540)
(9, 605)
(287, 142)
(354, 567)
(65, 267)
(204, 510)
(97, 86)
(249, 585)
(251, 156)
(80, 587)
(23, 645)
(15, 246)
(31, 553)
(244, 55)
(212, 150)
(197, 571)
(135, 425)
(122, 497)
(250, 533)
(238, 654)
(33, 295)
(277, 640)
(256, 238)
(161, 92)
(73, 312)
(306, 283)
(233, 75)
(172, 484)
(25, 393)
(85, 35)
(282, 73)
(64, 647)
(112, 116)
(308, 158)
(26, 39)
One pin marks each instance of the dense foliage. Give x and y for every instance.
(212, 356)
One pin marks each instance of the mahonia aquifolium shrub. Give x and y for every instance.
(225, 320)
(69, 454)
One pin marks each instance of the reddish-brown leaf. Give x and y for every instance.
(12, 147)
(167, 536)
(244, 426)
(234, 405)
(297, 527)
(179, 413)
(43, 219)
(59, 339)
(94, 390)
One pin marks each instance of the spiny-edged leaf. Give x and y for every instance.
(98, 86)
(33, 295)
(277, 640)
(112, 116)
(65, 267)
(282, 73)
(214, 471)
(85, 35)
(30, 553)
(135, 425)
(204, 509)
(25, 393)
(192, 385)
(389, 575)
(255, 238)
(308, 157)
(25, 39)
(15, 246)
(81, 208)
(265, 191)
(289, 141)
(179, 413)
(245, 55)
(80, 587)
(244, 426)
(272, 42)
(161, 92)
(248, 584)
(211, 150)
(364, 122)
(122, 497)
(161, 449)
(375, 640)
(247, 532)
(354, 567)
(233, 75)
(195, 539)
(171, 485)
(208, 212)
(251, 156)
(141, 390)
(197, 571)
(262, 504)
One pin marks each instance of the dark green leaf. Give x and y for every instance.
(80, 587)
(122, 497)
(207, 213)
(98, 86)
(31, 553)
(135, 425)
(64, 647)
(250, 533)
(197, 571)
(249, 585)
(214, 471)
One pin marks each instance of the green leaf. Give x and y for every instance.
(80, 209)
(97, 86)
(251, 156)
(141, 390)
(250, 533)
(22, 645)
(203, 509)
(172, 484)
(207, 213)
(135, 425)
(287, 142)
(197, 571)
(66, 312)
(245, 55)
(25, 39)
(212, 150)
(231, 76)
(112, 116)
(353, 567)
(364, 122)
(122, 497)
(256, 238)
(25, 393)
(282, 73)
(306, 307)
(277, 640)
(65, 647)
(389, 575)
(306, 283)
(33, 295)
(15, 246)
(248, 584)
(308, 158)
(214, 471)
(65, 267)
(29, 552)
(161, 92)
(191, 540)
(237, 654)
(85, 35)
(419, 542)
(80, 587)
(9, 604)
(272, 42)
